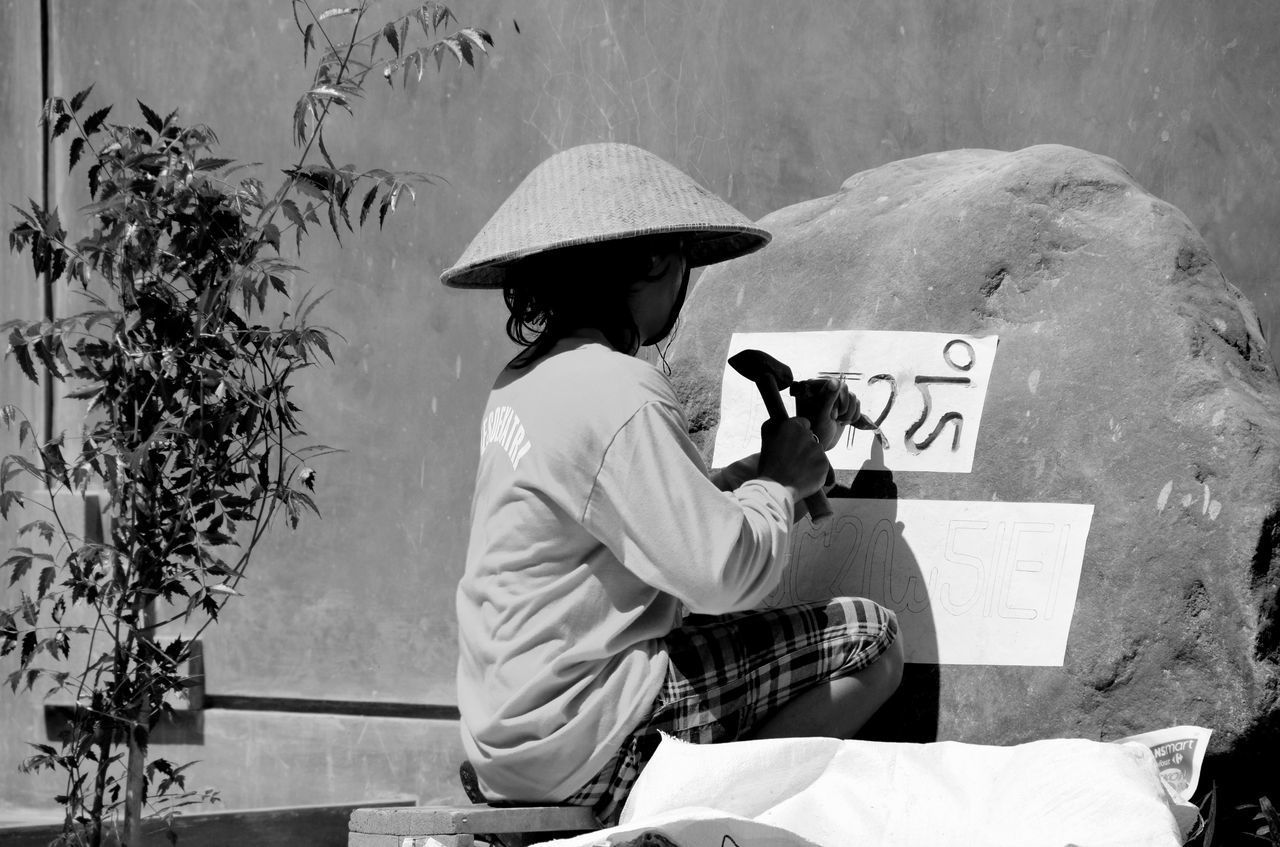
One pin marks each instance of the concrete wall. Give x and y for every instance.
(767, 103)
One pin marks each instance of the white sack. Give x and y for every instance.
(833, 793)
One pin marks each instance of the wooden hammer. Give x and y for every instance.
(770, 376)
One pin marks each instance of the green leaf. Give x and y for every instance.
(53, 225)
(440, 13)
(46, 580)
(212, 164)
(424, 19)
(333, 221)
(77, 148)
(45, 530)
(96, 120)
(30, 613)
(313, 184)
(333, 13)
(437, 50)
(304, 311)
(307, 42)
(271, 235)
(306, 501)
(19, 350)
(291, 212)
(78, 100)
(153, 120)
(328, 92)
(409, 61)
(92, 319)
(321, 340)
(368, 202)
(1209, 815)
(9, 499)
(95, 173)
(45, 350)
(52, 106)
(20, 564)
(301, 111)
(460, 49)
(29, 640)
(389, 33)
(61, 124)
(87, 392)
(1268, 811)
(481, 39)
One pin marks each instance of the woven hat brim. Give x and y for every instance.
(710, 245)
(596, 194)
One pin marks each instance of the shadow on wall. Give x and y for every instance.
(849, 555)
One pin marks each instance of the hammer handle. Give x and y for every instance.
(819, 508)
(772, 397)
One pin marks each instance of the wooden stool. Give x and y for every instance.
(460, 826)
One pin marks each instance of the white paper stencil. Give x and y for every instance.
(972, 582)
(925, 390)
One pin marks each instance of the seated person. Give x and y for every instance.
(596, 527)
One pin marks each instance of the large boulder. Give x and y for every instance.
(1130, 375)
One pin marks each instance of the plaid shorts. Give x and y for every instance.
(729, 674)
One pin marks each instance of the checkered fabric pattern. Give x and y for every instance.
(728, 674)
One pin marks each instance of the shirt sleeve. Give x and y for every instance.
(654, 505)
(732, 475)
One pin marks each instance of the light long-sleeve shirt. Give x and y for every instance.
(594, 520)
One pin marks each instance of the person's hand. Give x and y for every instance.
(791, 455)
(828, 405)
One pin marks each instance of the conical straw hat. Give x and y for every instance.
(597, 193)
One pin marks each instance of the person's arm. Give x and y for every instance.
(656, 508)
(734, 474)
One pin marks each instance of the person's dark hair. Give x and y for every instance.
(549, 295)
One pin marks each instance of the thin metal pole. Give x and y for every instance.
(46, 198)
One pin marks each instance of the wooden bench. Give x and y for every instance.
(462, 826)
(318, 825)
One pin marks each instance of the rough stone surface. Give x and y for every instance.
(1130, 375)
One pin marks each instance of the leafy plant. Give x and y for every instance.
(1253, 823)
(1202, 832)
(1266, 822)
(189, 429)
